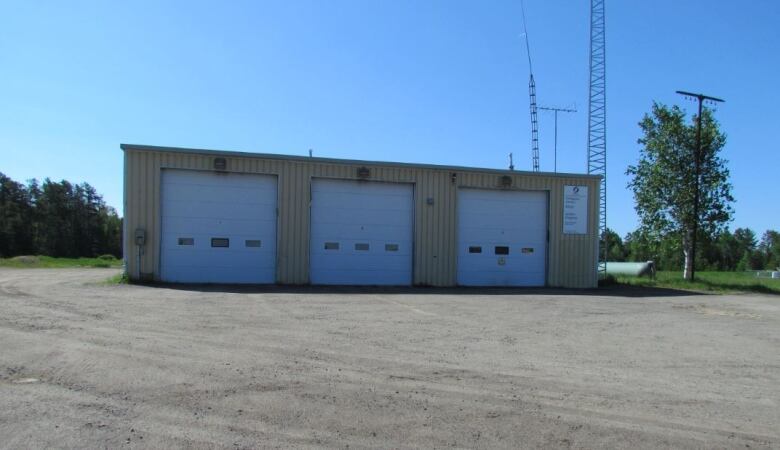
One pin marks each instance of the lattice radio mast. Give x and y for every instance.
(532, 94)
(597, 118)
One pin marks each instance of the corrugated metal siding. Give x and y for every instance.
(571, 258)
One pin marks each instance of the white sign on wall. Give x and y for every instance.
(575, 210)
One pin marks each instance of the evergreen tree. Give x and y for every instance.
(770, 248)
(16, 236)
(56, 219)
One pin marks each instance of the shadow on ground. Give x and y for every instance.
(608, 291)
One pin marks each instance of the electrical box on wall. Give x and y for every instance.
(140, 237)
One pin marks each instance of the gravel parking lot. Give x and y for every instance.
(89, 365)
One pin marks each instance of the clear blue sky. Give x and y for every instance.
(440, 82)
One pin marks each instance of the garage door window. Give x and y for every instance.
(220, 242)
(253, 243)
(475, 249)
(391, 247)
(186, 241)
(502, 250)
(361, 247)
(331, 246)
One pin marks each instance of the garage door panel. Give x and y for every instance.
(195, 209)
(221, 262)
(190, 274)
(364, 277)
(199, 206)
(375, 217)
(369, 188)
(212, 226)
(232, 210)
(227, 182)
(513, 264)
(204, 193)
(493, 219)
(170, 239)
(491, 200)
(351, 231)
(398, 263)
(497, 208)
(505, 234)
(403, 253)
(515, 221)
(489, 278)
(359, 202)
(378, 216)
(524, 252)
(479, 216)
(354, 249)
(223, 179)
(384, 249)
(185, 254)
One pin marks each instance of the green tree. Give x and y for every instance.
(750, 259)
(56, 219)
(664, 251)
(746, 238)
(770, 247)
(663, 180)
(723, 252)
(16, 236)
(55, 211)
(616, 251)
(639, 248)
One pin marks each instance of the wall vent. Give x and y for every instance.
(363, 172)
(220, 164)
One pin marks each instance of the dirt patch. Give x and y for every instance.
(89, 365)
(703, 308)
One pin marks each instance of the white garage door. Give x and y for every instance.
(218, 227)
(502, 237)
(361, 232)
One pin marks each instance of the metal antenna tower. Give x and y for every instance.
(597, 118)
(556, 111)
(532, 94)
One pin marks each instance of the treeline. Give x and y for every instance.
(59, 219)
(727, 251)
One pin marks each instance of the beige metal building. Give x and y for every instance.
(210, 216)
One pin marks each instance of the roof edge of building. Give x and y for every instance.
(276, 156)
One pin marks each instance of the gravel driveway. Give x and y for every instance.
(86, 365)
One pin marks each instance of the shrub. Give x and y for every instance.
(26, 259)
(106, 257)
(608, 280)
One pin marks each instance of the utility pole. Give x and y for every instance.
(556, 111)
(697, 172)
